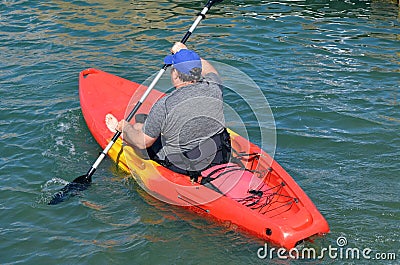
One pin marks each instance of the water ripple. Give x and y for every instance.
(329, 69)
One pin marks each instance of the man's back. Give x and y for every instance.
(187, 116)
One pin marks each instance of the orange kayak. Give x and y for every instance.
(262, 198)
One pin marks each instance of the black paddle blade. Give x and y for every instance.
(71, 189)
(84, 179)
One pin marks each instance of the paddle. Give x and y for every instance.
(83, 182)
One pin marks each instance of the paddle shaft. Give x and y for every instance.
(104, 153)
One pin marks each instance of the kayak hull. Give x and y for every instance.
(293, 216)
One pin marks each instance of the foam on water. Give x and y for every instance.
(51, 187)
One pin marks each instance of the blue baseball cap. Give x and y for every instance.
(184, 60)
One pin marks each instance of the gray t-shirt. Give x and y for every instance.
(187, 116)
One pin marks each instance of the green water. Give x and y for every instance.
(329, 69)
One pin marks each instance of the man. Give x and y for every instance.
(189, 122)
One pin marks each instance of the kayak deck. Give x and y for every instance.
(274, 208)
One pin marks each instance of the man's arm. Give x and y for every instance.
(133, 134)
(207, 68)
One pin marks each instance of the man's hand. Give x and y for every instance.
(121, 125)
(177, 47)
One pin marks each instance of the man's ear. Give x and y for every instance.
(175, 74)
